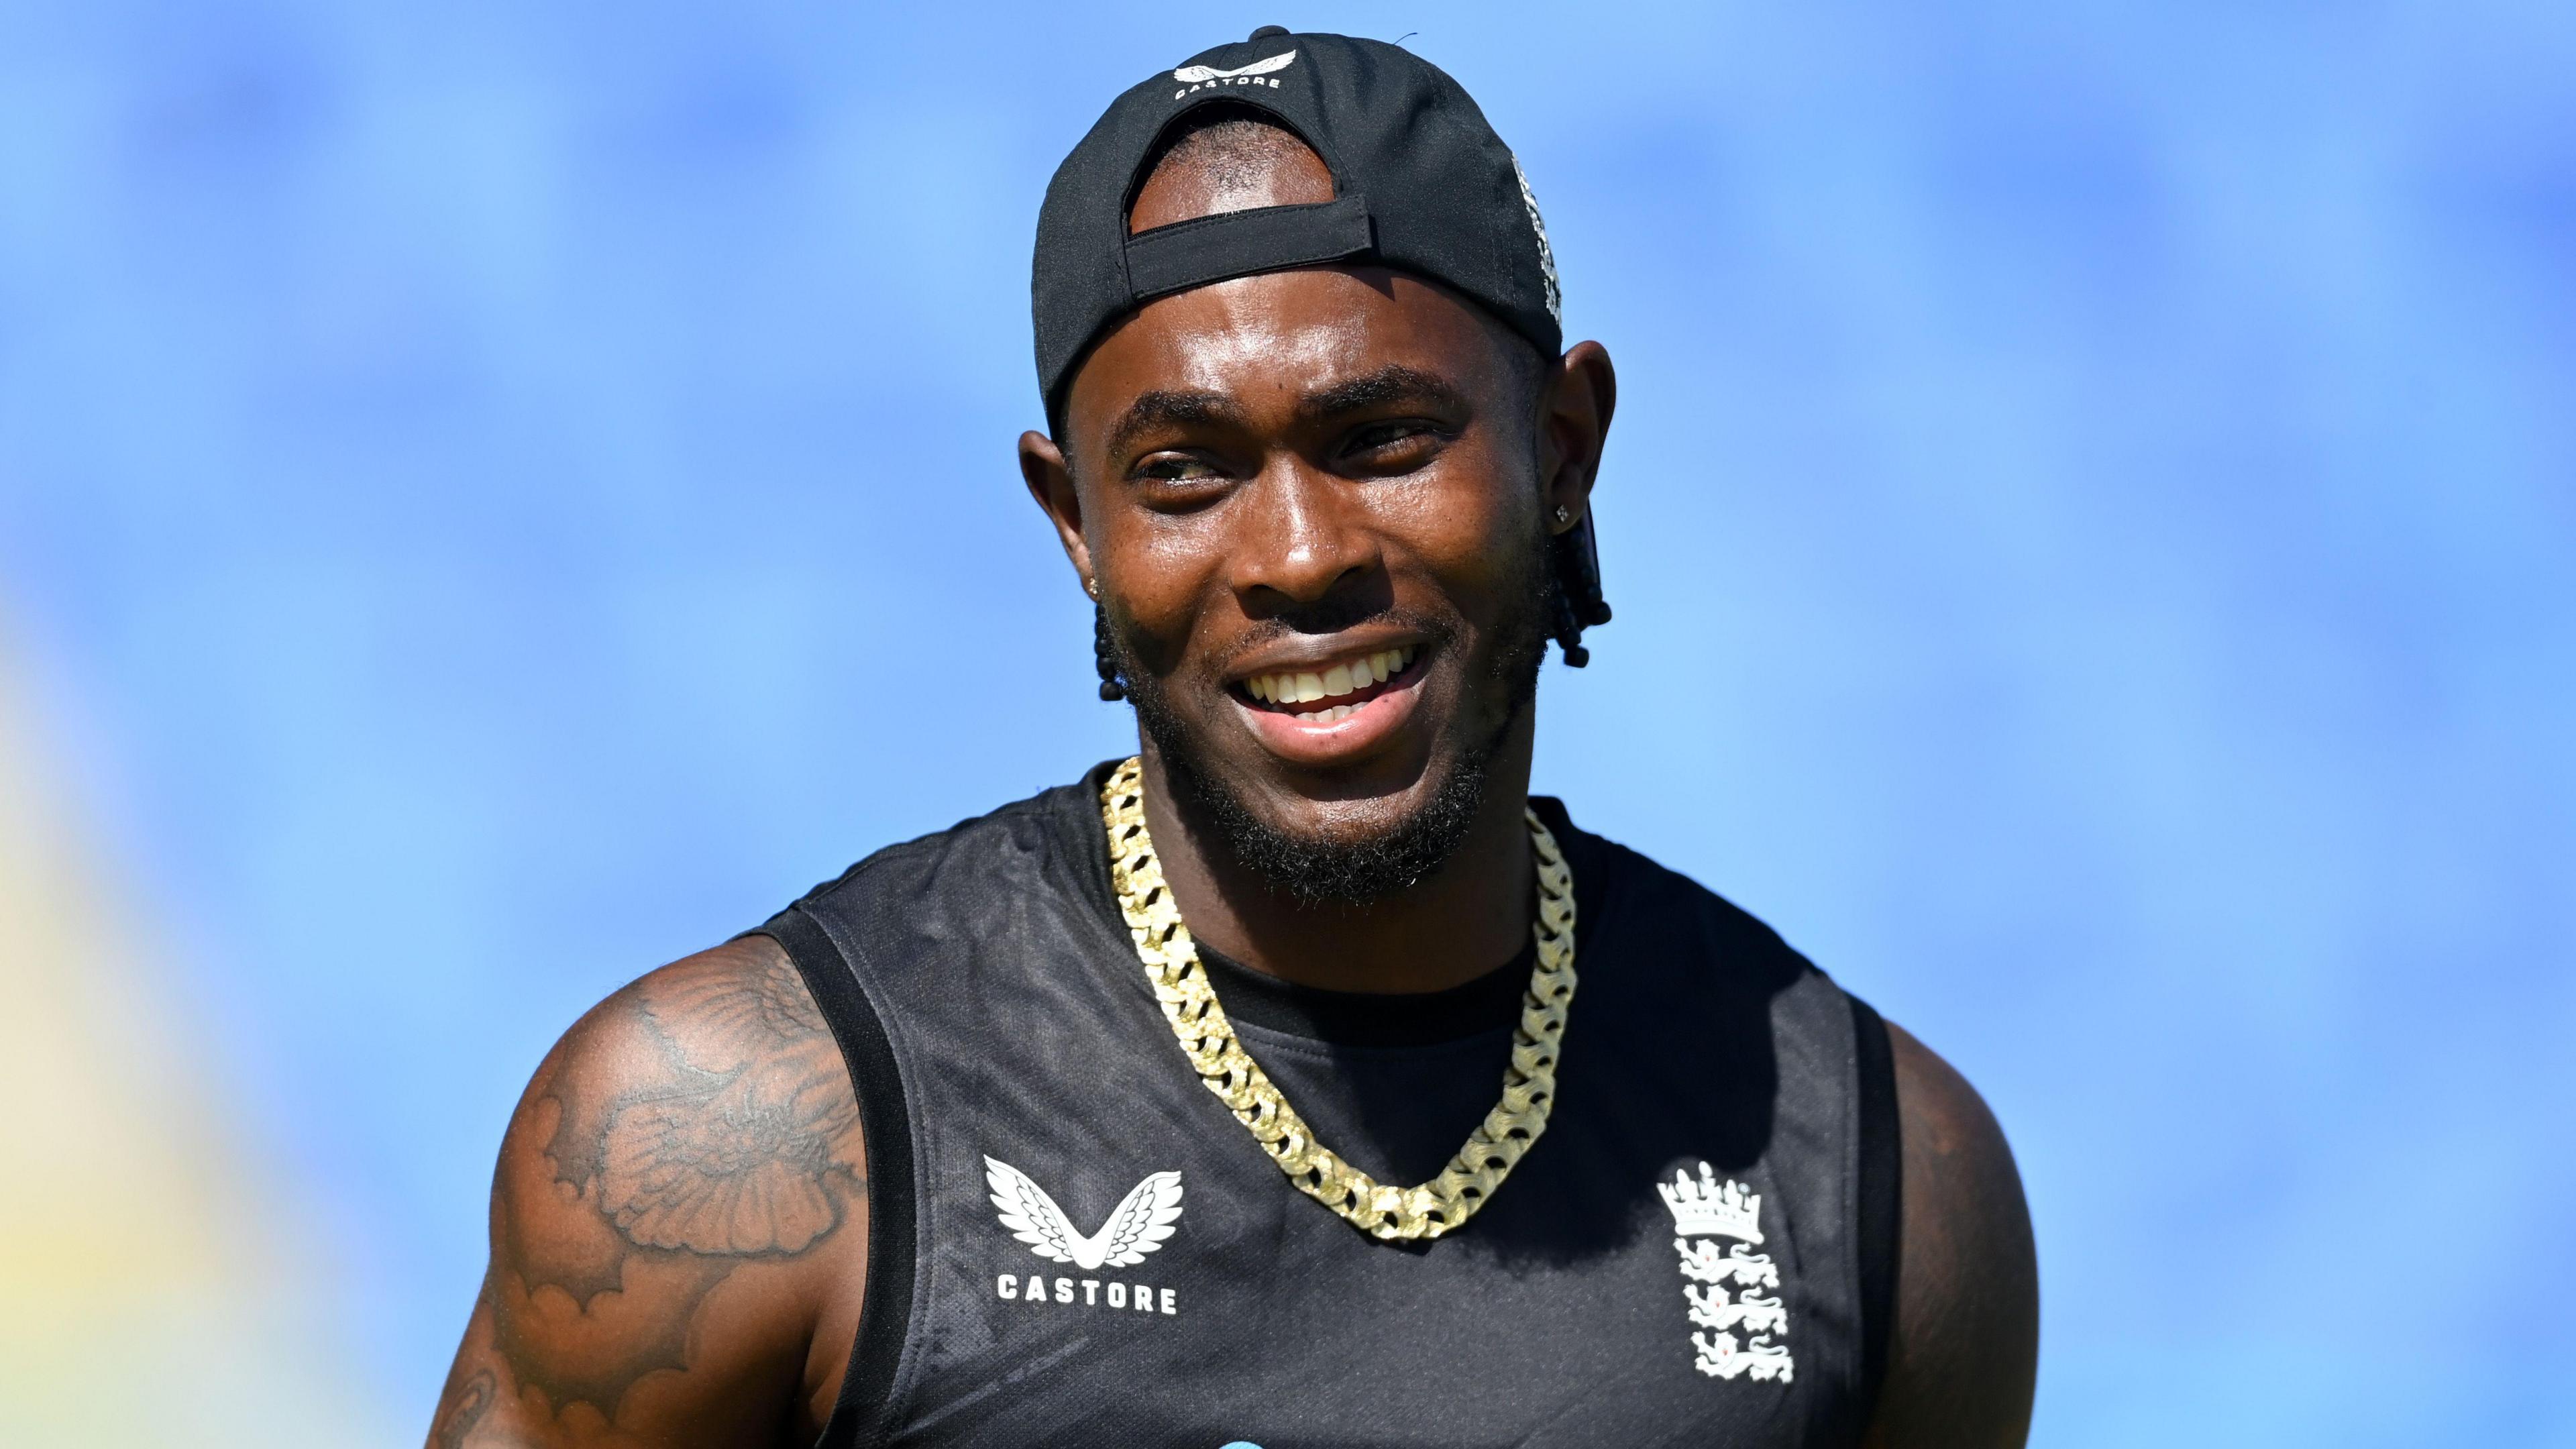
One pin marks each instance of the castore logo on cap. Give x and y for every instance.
(1203, 77)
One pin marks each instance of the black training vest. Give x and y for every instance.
(1698, 1251)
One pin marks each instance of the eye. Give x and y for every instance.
(1397, 445)
(1176, 468)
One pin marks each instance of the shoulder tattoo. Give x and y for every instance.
(700, 1122)
(739, 1152)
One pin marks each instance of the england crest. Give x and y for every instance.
(1736, 1330)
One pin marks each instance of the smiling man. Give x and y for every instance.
(1302, 1080)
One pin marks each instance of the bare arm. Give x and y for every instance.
(1965, 1351)
(679, 1224)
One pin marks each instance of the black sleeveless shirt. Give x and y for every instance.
(1073, 1242)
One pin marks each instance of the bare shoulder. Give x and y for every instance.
(678, 1222)
(1965, 1351)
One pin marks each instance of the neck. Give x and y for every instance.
(1465, 919)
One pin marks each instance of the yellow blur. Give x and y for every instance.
(147, 1294)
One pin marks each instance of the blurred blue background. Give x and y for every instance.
(494, 497)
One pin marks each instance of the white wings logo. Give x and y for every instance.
(1191, 75)
(1137, 1226)
(1200, 77)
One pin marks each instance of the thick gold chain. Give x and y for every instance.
(1189, 1002)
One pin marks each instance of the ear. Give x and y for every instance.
(1042, 467)
(1576, 399)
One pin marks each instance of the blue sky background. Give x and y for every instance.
(493, 497)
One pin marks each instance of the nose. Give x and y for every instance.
(1301, 540)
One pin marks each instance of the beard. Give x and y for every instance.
(1359, 869)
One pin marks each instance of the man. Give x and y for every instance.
(1098, 1120)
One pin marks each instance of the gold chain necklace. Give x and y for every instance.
(1189, 1003)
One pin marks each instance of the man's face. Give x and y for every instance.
(1313, 504)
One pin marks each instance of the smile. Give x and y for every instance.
(1328, 696)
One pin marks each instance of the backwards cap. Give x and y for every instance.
(1420, 183)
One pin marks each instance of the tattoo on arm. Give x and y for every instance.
(700, 1122)
(462, 1411)
(733, 1154)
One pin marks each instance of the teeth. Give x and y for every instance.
(1347, 677)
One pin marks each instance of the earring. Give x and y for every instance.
(1092, 587)
(1102, 655)
(1564, 515)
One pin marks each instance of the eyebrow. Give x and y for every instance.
(1393, 383)
(1170, 409)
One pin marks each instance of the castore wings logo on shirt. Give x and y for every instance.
(1137, 1226)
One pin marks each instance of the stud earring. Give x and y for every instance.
(1564, 514)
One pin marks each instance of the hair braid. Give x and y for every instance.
(1104, 655)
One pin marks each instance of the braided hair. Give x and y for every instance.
(1112, 688)
(1578, 604)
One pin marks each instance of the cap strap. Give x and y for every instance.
(1208, 249)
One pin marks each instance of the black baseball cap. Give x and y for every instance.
(1420, 183)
